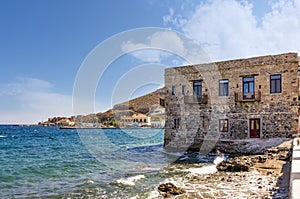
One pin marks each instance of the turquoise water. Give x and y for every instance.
(61, 163)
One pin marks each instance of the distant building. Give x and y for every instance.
(157, 110)
(125, 122)
(141, 119)
(237, 99)
(65, 122)
(157, 114)
(157, 122)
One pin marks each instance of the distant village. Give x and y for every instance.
(147, 111)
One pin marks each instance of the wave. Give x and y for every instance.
(3, 136)
(203, 170)
(207, 169)
(179, 154)
(130, 180)
(219, 159)
(133, 146)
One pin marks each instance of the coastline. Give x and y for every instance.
(78, 127)
(268, 177)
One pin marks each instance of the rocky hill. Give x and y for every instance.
(137, 105)
(142, 104)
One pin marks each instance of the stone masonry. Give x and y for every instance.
(232, 100)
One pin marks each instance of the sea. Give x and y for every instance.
(48, 162)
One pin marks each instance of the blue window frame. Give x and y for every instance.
(248, 88)
(224, 87)
(275, 84)
(197, 88)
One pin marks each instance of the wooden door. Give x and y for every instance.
(254, 128)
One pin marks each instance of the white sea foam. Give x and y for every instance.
(219, 159)
(153, 194)
(130, 180)
(179, 154)
(207, 169)
(2, 136)
(89, 182)
(203, 170)
(183, 158)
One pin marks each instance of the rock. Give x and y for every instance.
(170, 188)
(269, 173)
(261, 159)
(235, 165)
(168, 195)
(283, 157)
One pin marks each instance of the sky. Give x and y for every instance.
(45, 44)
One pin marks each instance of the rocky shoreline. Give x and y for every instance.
(264, 175)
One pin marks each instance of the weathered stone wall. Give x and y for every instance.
(278, 113)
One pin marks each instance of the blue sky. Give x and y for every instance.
(44, 43)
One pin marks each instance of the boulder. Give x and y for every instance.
(235, 164)
(169, 188)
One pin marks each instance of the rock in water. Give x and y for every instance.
(169, 188)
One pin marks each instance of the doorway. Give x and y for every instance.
(254, 128)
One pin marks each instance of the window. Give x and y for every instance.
(183, 89)
(176, 123)
(248, 88)
(223, 125)
(162, 102)
(223, 87)
(173, 90)
(275, 84)
(197, 88)
(145, 120)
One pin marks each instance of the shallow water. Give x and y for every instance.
(51, 162)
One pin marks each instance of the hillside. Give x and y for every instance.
(143, 103)
(137, 105)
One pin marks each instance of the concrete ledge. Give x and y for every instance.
(296, 155)
(295, 191)
(295, 171)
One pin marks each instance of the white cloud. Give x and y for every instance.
(143, 52)
(22, 85)
(169, 18)
(228, 28)
(29, 100)
(158, 46)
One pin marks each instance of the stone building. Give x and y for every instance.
(230, 100)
